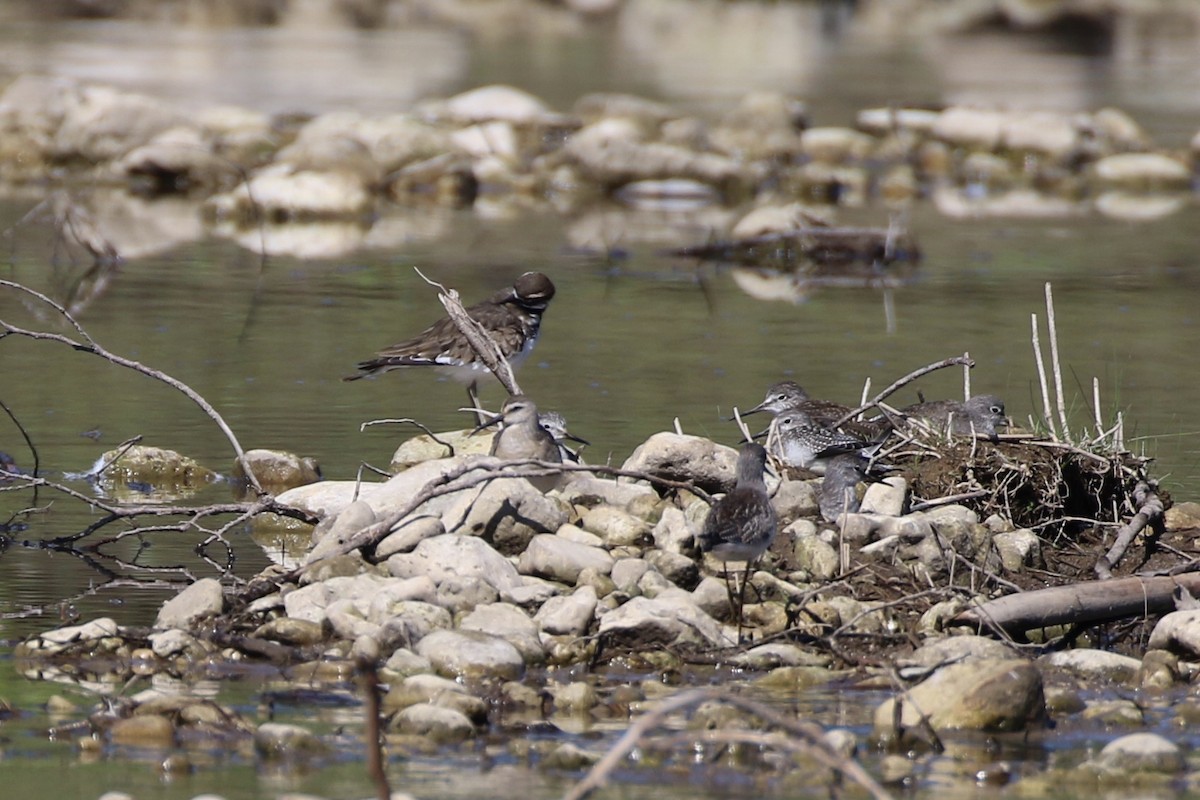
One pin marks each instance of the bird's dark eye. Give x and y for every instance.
(997, 409)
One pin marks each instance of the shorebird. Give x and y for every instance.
(522, 438)
(838, 493)
(556, 425)
(512, 317)
(982, 414)
(790, 396)
(742, 524)
(8, 465)
(798, 442)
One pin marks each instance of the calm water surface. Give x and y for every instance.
(629, 345)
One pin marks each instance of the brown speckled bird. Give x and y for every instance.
(512, 317)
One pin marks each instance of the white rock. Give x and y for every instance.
(1178, 632)
(1094, 664)
(458, 594)
(1140, 752)
(204, 598)
(887, 497)
(461, 556)
(672, 532)
(568, 615)
(686, 458)
(471, 654)
(556, 558)
(508, 622)
(669, 619)
(496, 102)
(506, 513)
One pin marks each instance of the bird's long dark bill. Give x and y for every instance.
(760, 435)
(493, 421)
(576, 439)
(754, 410)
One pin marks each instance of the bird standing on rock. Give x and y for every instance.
(522, 438)
(512, 317)
(742, 524)
(839, 489)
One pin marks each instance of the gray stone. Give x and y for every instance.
(589, 491)
(463, 594)
(1119, 712)
(678, 569)
(708, 465)
(204, 598)
(672, 532)
(441, 725)
(332, 534)
(327, 498)
(672, 618)
(569, 615)
(888, 497)
(653, 583)
(409, 622)
(1178, 632)
(1091, 664)
(794, 499)
(556, 558)
(508, 622)
(462, 556)
(405, 663)
(615, 527)
(1018, 549)
(1140, 752)
(471, 655)
(408, 534)
(166, 644)
(989, 695)
(143, 730)
(277, 470)
(816, 557)
(281, 741)
(423, 448)
(712, 596)
(289, 630)
(951, 649)
(349, 621)
(626, 572)
(507, 513)
(437, 691)
(533, 592)
(578, 535)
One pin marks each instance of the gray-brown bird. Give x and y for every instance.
(522, 438)
(983, 414)
(742, 524)
(512, 317)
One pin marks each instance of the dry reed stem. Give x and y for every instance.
(1047, 416)
(1054, 362)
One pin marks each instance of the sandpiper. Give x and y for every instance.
(742, 524)
(556, 425)
(512, 317)
(839, 489)
(788, 395)
(798, 442)
(522, 438)
(983, 414)
(8, 468)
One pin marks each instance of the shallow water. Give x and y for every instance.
(629, 344)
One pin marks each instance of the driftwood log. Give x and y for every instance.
(1079, 604)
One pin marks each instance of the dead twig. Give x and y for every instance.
(907, 379)
(89, 345)
(1150, 512)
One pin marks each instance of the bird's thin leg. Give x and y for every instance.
(729, 591)
(742, 598)
(480, 419)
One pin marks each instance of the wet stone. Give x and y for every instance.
(204, 598)
(1093, 665)
(570, 615)
(1140, 752)
(1123, 713)
(288, 630)
(471, 654)
(280, 741)
(442, 725)
(146, 730)
(560, 559)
